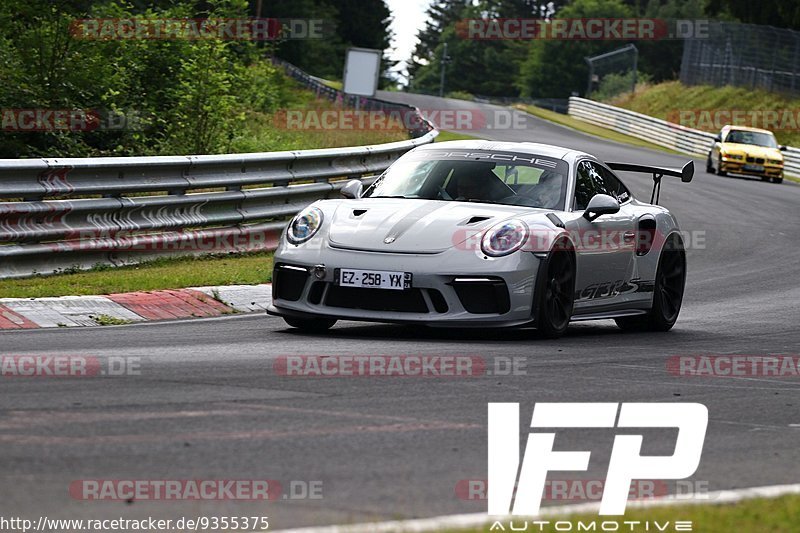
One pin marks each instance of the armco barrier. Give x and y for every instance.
(657, 131)
(419, 127)
(58, 214)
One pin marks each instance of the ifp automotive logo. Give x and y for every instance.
(626, 465)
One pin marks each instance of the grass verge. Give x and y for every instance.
(445, 136)
(776, 515)
(591, 129)
(708, 108)
(165, 273)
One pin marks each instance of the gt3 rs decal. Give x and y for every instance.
(610, 289)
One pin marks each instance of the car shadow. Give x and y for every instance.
(359, 331)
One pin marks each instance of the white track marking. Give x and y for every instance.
(462, 521)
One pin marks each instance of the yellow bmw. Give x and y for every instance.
(747, 151)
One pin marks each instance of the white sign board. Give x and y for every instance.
(361, 71)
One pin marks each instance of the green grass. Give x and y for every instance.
(166, 273)
(776, 515)
(667, 100)
(454, 136)
(105, 320)
(265, 132)
(591, 129)
(334, 84)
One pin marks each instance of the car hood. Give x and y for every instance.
(413, 226)
(752, 150)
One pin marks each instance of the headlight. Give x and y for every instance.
(305, 225)
(504, 238)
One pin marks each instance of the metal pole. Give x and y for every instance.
(794, 62)
(444, 60)
(635, 67)
(591, 76)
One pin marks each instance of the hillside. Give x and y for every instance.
(709, 108)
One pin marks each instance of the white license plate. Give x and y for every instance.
(754, 168)
(374, 279)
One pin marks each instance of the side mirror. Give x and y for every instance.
(718, 138)
(599, 205)
(352, 189)
(782, 148)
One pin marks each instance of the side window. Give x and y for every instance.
(614, 186)
(585, 185)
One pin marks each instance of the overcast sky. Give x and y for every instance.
(409, 17)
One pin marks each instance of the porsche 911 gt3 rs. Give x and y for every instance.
(486, 234)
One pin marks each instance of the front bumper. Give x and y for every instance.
(740, 166)
(454, 288)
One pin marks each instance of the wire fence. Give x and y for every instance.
(744, 55)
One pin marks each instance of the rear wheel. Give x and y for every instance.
(556, 294)
(317, 325)
(668, 292)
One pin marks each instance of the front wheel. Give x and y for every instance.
(667, 294)
(719, 167)
(556, 295)
(710, 165)
(778, 179)
(312, 325)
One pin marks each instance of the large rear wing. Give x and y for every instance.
(685, 174)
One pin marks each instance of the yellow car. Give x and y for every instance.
(748, 151)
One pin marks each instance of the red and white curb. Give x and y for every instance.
(76, 311)
(482, 520)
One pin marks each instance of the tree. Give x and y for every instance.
(441, 14)
(361, 23)
(779, 13)
(556, 68)
(365, 23)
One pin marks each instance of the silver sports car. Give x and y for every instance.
(486, 234)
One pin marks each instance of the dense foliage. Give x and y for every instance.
(159, 96)
(556, 68)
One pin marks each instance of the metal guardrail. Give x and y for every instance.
(418, 127)
(59, 214)
(660, 132)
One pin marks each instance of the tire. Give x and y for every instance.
(556, 294)
(764, 178)
(709, 165)
(777, 180)
(667, 293)
(719, 167)
(312, 325)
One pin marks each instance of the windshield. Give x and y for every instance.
(752, 137)
(475, 176)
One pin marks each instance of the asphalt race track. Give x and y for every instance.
(208, 404)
